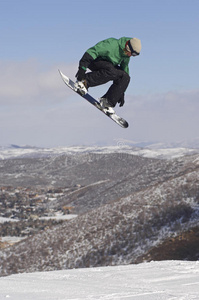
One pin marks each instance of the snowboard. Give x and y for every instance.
(113, 116)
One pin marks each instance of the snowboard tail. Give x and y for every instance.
(113, 116)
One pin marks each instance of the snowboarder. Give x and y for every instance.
(108, 61)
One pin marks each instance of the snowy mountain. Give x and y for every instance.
(153, 150)
(127, 205)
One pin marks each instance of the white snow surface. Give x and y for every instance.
(165, 280)
(59, 217)
(3, 220)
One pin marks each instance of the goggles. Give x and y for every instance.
(129, 48)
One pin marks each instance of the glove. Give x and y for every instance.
(121, 101)
(80, 74)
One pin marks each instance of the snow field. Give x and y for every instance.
(166, 280)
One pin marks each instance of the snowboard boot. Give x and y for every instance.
(105, 104)
(81, 87)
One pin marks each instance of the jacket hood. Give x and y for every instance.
(122, 41)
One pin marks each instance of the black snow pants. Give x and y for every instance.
(104, 71)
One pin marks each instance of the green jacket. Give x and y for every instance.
(110, 50)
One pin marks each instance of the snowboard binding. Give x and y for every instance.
(80, 87)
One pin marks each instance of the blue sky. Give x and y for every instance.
(40, 36)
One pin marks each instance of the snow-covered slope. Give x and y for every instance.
(166, 280)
